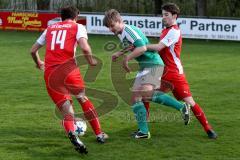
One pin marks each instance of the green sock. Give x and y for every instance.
(165, 99)
(141, 116)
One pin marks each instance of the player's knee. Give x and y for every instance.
(147, 94)
(82, 97)
(136, 97)
(190, 101)
(66, 108)
(66, 104)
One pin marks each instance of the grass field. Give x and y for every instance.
(29, 128)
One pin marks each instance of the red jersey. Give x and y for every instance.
(61, 41)
(171, 37)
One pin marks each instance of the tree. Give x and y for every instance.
(158, 5)
(57, 4)
(201, 6)
(22, 5)
(43, 5)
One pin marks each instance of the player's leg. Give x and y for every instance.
(67, 112)
(147, 107)
(61, 97)
(92, 116)
(75, 85)
(182, 92)
(163, 98)
(63, 103)
(152, 77)
(140, 111)
(201, 117)
(146, 104)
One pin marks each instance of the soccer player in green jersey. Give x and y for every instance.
(149, 75)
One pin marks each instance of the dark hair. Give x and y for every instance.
(111, 16)
(69, 12)
(172, 8)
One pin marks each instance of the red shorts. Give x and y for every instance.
(62, 81)
(177, 83)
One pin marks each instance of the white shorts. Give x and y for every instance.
(149, 76)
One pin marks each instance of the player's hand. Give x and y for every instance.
(93, 62)
(125, 64)
(131, 48)
(40, 65)
(115, 56)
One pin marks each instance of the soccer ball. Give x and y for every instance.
(80, 127)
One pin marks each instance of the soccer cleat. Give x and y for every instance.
(140, 135)
(185, 111)
(135, 132)
(102, 137)
(78, 144)
(211, 134)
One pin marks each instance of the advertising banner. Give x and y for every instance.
(198, 28)
(218, 29)
(25, 20)
(30, 21)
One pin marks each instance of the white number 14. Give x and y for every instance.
(58, 37)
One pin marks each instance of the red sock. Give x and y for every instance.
(199, 114)
(147, 105)
(92, 116)
(68, 123)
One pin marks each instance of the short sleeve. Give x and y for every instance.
(139, 43)
(171, 37)
(42, 39)
(133, 37)
(81, 32)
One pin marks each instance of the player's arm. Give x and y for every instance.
(138, 51)
(82, 39)
(121, 52)
(140, 48)
(170, 38)
(138, 43)
(86, 49)
(156, 47)
(35, 56)
(34, 51)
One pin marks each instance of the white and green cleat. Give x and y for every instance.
(140, 135)
(185, 111)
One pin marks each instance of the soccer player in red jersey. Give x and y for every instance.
(62, 75)
(169, 48)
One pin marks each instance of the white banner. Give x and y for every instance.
(190, 27)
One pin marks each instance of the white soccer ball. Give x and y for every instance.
(80, 127)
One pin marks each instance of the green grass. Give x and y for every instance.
(30, 130)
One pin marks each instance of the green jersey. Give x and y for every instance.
(132, 35)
